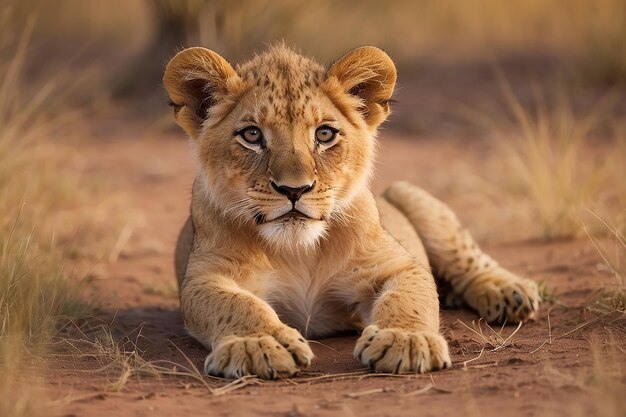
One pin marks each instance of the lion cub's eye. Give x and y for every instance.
(251, 135)
(326, 134)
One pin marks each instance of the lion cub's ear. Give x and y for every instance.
(196, 79)
(368, 73)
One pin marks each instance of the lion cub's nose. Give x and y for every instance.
(293, 193)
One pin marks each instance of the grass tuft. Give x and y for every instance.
(612, 250)
(552, 163)
(37, 182)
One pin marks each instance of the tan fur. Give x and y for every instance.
(249, 277)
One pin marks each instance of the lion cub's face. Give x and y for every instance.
(283, 144)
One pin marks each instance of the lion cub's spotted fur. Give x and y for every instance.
(255, 262)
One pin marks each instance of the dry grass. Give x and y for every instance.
(550, 161)
(612, 250)
(38, 187)
(604, 381)
(34, 295)
(34, 290)
(121, 360)
(494, 339)
(607, 380)
(551, 164)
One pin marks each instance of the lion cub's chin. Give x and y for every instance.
(293, 233)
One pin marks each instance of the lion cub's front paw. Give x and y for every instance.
(402, 351)
(266, 356)
(501, 296)
(295, 344)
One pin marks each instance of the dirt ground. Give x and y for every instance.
(546, 367)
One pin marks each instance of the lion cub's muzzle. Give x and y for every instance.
(298, 209)
(293, 193)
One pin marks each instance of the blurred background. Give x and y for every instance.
(129, 42)
(514, 113)
(535, 87)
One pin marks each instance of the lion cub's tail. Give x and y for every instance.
(437, 226)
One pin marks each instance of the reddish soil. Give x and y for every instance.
(546, 368)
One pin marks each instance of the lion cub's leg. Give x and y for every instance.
(243, 331)
(402, 315)
(496, 293)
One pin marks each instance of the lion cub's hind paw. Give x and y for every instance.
(502, 297)
(401, 351)
(263, 356)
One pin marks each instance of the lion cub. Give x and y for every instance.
(285, 240)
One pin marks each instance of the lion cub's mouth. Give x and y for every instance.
(293, 214)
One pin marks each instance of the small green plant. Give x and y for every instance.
(166, 289)
(546, 294)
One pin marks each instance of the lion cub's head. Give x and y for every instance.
(283, 143)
